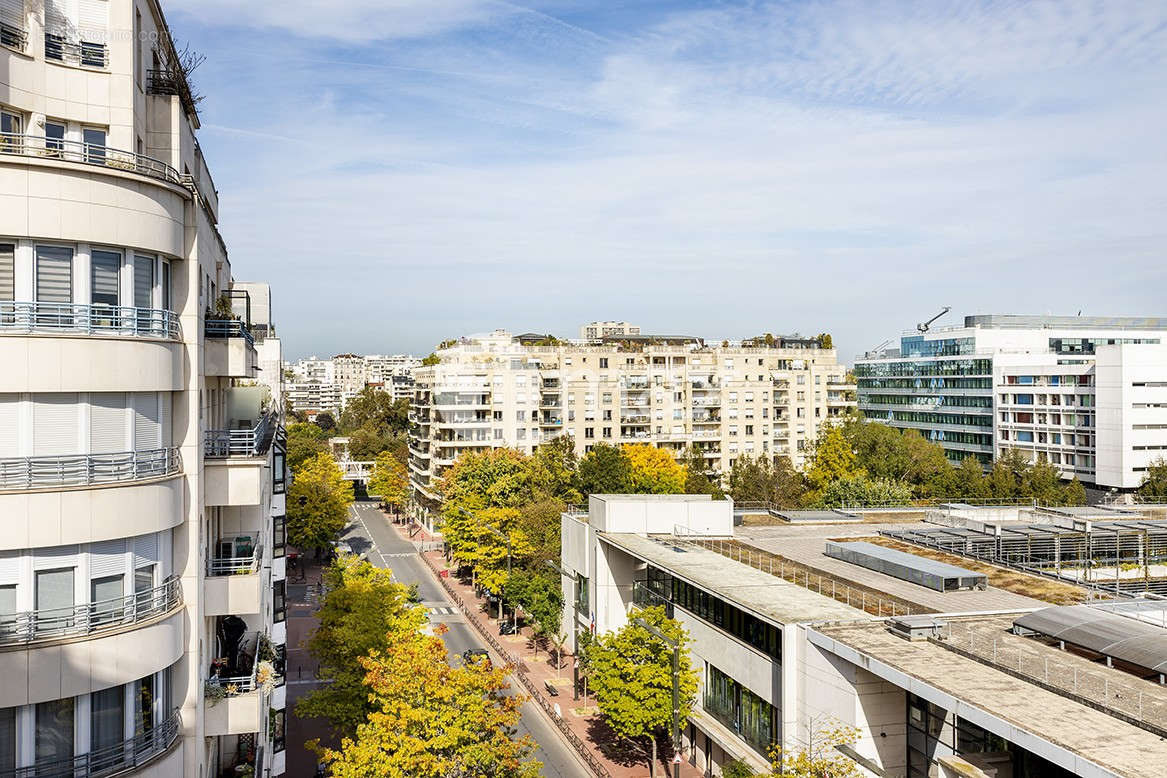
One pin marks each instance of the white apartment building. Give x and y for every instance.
(1089, 394)
(141, 452)
(317, 385)
(491, 391)
(597, 330)
(942, 676)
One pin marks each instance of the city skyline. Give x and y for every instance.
(772, 167)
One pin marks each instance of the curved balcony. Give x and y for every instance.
(74, 319)
(91, 619)
(25, 473)
(110, 760)
(87, 154)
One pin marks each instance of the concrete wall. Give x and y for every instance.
(666, 514)
(1123, 449)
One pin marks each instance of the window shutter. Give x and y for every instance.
(166, 419)
(107, 423)
(55, 556)
(58, 18)
(143, 282)
(54, 274)
(146, 550)
(107, 558)
(7, 264)
(93, 20)
(10, 424)
(12, 12)
(105, 277)
(147, 429)
(54, 424)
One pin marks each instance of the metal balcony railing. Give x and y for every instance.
(110, 760)
(236, 565)
(236, 684)
(87, 154)
(77, 319)
(228, 328)
(86, 469)
(221, 444)
(91, 618)
(83, 53)
(13, 36)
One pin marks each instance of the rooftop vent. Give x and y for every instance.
(917, 627)
(908, 567)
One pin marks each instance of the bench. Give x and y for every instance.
(550, 687)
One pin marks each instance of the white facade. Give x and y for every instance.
(317, 385)
(138, 429)
(1035, 384)
(607, 329)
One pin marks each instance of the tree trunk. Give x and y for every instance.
(652, 764)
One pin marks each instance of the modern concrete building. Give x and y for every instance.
(598, 330)
(141, 462)
(1089, 394)
(499, 390)
(317, 385)
(939, 682)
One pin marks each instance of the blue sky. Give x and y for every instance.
(407, 171)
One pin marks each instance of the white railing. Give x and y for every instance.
(105, 761)
(221, 444)
(236, 565)
(79, 319)
(90, 618)
(86, 154)
(87, 469)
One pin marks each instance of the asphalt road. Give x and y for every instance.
(369, 534)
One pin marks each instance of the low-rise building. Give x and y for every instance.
(939, 676)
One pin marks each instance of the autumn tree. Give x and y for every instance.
(362, 607)
(551, 472)
(432, 720)
(631, 673)
(389, 480)
(653, 470)
(318, 503)
(604, 470)
(820, 757)
(376, 410)
(831, 459)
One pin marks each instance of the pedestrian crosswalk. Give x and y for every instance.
(442, 610)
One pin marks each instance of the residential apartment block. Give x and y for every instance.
(597, 330)
(803, 626)
(1089, 394)
(499, 390)
(316, 385)
(141, 452)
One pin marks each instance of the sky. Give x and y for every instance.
(406, 171)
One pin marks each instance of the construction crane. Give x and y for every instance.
(877, 350)
(926, 325)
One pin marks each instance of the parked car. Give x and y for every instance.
(471, 655)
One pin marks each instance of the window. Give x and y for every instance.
(8, 739)
(279, 603)
(107, 727)
(54, 137)
(94, 145)
(7, 276)
(166, 286)
(143, 281)
(278, 740)
(11, 128)
(105, 267)
(581, 593)
(54, 274)
(279, 532)
(106, 594)
(54, 731)
(54, 599)
(279, 472)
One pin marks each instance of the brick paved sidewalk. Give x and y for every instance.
(538, 667)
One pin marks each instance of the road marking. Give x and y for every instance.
(372, 542)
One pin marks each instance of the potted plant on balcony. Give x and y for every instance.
(223, 309)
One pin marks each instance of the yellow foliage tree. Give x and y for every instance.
(389, 480)
(318, 502)
(654, 471)
(820, 758)
(432, 720)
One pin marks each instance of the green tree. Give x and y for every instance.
(653, 470)
(390, 480)
(432, 359)
(432, 720)
(855, 490)
(825, 340)
(540, 524)
(365, 443)
(362, 607)
(967, 481)
(697, 477)
(1155, 481)
(551, 471)
(831, 459)
(604, 470)
(631, 673)
(304, 442)
(318, 503)
(377, 410)
(326, 422)
(541, 595)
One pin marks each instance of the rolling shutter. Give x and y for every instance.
(9, 567)
(54, 556)
(143, 282)
(9, 425)
(54, 425)
(107, 423)
(54, 274)
(59, 16)
(146, 550)
(165, 418)
(107, 558)
(147, 428)
(105, 277)
(12, 12)
(93, 20)
(7, 262)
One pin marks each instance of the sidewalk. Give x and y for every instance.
(303, 601)
(535, 667)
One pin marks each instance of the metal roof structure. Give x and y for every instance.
(1109, 634)
(908, 567)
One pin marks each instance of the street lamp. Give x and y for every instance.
(574, 627)
(676, 647)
